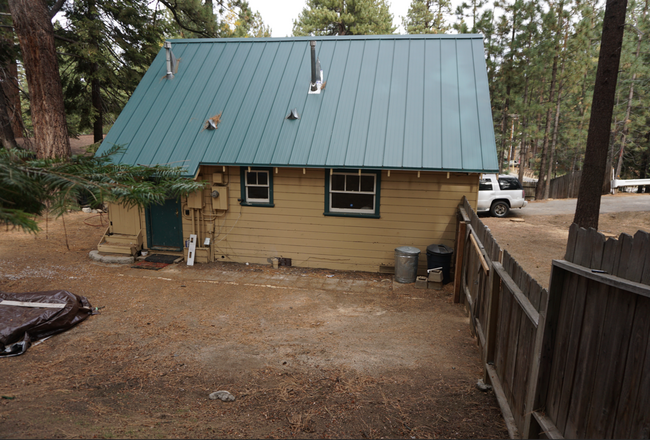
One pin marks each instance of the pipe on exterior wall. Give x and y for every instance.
(193, 225)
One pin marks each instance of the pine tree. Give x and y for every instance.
(344, 17)
(428, 17)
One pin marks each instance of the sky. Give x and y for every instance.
(279, 14)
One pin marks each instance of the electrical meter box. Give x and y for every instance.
(220, 198)
(195, 200)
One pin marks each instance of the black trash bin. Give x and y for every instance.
(439, 255)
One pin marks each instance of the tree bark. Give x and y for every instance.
(98, 124)
(556, 126)
(36, 36)
(7, 139)
(12, 93)
(593, 173)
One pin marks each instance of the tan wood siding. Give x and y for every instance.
(415, 211)
(124, 220)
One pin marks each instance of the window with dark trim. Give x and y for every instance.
(350, 194)
(257, 186)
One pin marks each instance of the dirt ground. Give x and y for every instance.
(306, 353)
(538, 240)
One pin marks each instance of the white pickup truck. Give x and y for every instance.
(500, 194)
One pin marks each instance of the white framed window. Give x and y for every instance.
(351, 193)
(257, 187)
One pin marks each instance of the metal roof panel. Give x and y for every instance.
(416, 102)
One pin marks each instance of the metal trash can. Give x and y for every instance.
(439, 256)
(406, 264)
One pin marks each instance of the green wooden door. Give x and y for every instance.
(164, 226)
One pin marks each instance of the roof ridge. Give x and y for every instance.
(330, 38)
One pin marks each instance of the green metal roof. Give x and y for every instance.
(418, 102)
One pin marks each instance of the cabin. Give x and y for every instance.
(323, 152)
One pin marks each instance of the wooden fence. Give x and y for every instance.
(565, 187)
(573, 361)
(595, 370)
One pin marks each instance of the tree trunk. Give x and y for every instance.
(12, 94)
(36, 36)
(98, 124)
(524, 127)
(541, 181)
(7, 139)
(593, 173)
(551, 162)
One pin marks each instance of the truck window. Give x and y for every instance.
(485, 185)
(509, 184)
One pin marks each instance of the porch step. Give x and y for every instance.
(120, 244)
(118, 248)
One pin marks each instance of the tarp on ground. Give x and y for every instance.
(30, 316)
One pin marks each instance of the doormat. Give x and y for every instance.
(149, 265)
(161, 258)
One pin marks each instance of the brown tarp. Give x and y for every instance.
(22, 320)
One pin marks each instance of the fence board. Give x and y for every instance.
(573, 337)
(609, 255)
(597, 249)
(561, 344)
(505, 307)
(571, 242)
(595, 309)
(582, 255)
(612, 355)
(641, 417)
(633, 370)
(645, 277)
(637, 256)
(625, 243)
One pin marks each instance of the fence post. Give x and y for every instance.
(531, 390)
(460, 251)
(494, 296)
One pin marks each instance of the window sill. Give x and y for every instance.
(263, 205)
(350, 214)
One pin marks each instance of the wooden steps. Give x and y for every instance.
(120, 243)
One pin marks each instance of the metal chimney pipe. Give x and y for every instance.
(313, 66)
(170, 71)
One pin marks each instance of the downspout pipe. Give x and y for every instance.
(313, 86)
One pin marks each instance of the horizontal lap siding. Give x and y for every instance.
(414, 212)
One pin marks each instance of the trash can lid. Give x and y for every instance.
(439, 249)
(408, 250)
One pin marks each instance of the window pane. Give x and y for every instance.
(251, 178)
(338, 182)
(262, 178)
(353, 201)
(509, 184)
(351, 182)
(258, 192)
(485, 185)
(368, 183)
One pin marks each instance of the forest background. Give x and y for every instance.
(541, 58)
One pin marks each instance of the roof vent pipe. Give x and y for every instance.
(314, 87)
(170, 60)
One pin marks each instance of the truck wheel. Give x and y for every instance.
(499, 209)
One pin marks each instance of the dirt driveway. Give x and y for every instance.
(306, 353)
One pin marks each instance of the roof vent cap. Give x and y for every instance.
(293, 114)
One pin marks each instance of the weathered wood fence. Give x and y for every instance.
(565, 187)
(573, 361)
